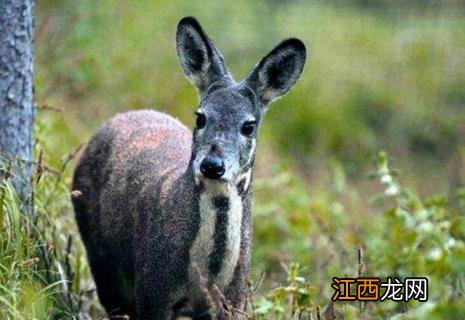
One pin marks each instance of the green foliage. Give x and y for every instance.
(399, 235)
(43, 275)
(29, 285)
(294, 299)
(380, 76)
(419, 238)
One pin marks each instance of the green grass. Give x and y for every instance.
(32, 278)
(44, 274)
(388, 77)
(398, 233)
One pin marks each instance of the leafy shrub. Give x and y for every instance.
(398, 235)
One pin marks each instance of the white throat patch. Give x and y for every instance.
(246, 176)
(204, 243)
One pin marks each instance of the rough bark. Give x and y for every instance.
(16, 91)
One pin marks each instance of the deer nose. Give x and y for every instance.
(212, 167)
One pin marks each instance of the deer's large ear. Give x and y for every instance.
(201, 61)
(278, 71)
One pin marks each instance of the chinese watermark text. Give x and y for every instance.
(373, 289)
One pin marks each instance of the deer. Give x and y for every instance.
(165, 212)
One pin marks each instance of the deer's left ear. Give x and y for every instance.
(278, 71)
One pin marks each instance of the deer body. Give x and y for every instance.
(165, 214)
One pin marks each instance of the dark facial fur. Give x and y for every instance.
(226, 110)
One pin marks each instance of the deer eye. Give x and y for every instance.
(201, 120)
(248, 128)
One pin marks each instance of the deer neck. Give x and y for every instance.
(216, 248)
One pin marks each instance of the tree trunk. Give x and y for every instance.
(16, 92)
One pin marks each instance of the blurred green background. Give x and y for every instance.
(381, 75)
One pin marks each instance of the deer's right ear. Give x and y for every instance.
(201, 61)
